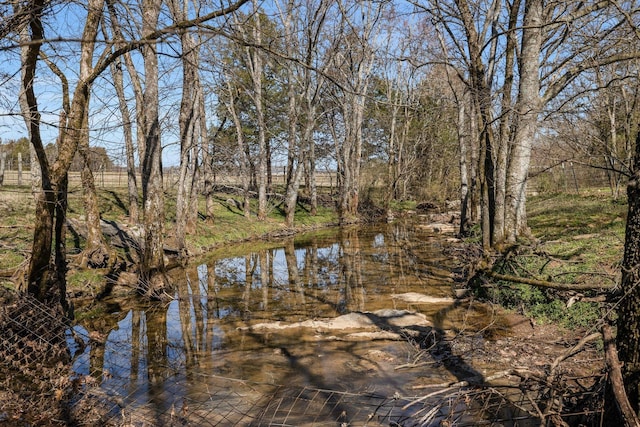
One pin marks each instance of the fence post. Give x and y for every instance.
(3, 157)
(19, 168)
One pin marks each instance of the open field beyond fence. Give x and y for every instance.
(118, 179)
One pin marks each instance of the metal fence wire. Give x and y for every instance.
(39, 387)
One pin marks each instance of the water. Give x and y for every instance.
(199, 360)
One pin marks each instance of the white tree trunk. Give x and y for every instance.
(527, 110)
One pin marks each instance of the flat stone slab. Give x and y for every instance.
(438, 227)
(380, 319)
(418, 298)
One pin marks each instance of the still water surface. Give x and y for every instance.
(197, 360)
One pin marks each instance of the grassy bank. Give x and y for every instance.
(578, 239)
(229, 225)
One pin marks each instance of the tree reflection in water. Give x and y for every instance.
(196, 355)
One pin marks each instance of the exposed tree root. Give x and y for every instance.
(629, 416)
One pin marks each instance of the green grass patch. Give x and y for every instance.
(580, 241)
(17, 215)
(568, 215)
(78, 279)
(229, 223)
(543, 306)
(403, 205)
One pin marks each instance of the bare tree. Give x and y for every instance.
(245, 164)
(527, 109)
(255, 61)
(51, 204)
(190, 123)
(351, 68)
(549, 55)
(304, 85)
(45, 279)
(154, 280)
(127, 123)
(127, 132)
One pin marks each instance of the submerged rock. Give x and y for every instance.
(438, 227)
(415, 297)
(380, 319)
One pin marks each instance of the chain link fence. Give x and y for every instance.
(43, 382)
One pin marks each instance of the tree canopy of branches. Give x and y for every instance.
(407, 99)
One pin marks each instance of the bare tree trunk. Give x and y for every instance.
(349, 152)
(481, 95)
(45, 280)
(503, 140)
(127, 131)
(311, 173)
(628, 335)
(138, 94)
(254, 57)
(527, 108)
(38, 281)
(207, 167)
(474, 171)
(296, 142)
(96, 253)
(245, 169)
(36, 176)
(189, 122)
(19, 168)
(294, 173)
(154, 280)
(207, 161)
(3, 157)
(463, 141)
(392, 146)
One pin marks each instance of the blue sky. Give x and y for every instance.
(105, 119)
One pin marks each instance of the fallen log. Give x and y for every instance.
(544, 283)
(120, 236)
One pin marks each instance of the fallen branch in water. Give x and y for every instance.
(477, 381)
(544, 283)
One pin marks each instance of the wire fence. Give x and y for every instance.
(118, 178)
(44, 382)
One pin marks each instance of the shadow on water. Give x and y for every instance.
(198, 360)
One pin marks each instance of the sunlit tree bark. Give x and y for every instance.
(154, 280)
(36, 178)
(506, 122)
(256, 69)
(189, 123)
(303, 26)
(96, 253)
(118, 81)
(352, 65)
(43, 279)
(628, 335)
(127, 133)
(527, 110)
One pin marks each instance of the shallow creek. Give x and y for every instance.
(334, 327)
